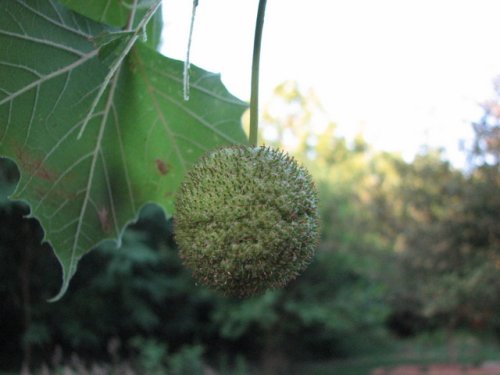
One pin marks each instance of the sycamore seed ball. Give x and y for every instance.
(246, 220)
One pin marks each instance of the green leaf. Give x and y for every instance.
(140, 139)
(116, 13)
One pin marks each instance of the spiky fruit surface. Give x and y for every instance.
(246, 220)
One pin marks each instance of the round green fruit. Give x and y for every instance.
(246, 220)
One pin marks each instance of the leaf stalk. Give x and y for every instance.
(254, 95)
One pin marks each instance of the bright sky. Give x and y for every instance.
(404, 72)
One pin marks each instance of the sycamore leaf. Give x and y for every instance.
(91, 150)
(117, 13)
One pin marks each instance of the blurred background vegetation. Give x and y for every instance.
(408, 269)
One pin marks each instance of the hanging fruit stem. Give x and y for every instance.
(254, 95)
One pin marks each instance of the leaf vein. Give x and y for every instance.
(161, 117)
(49, 154)
(60, 178)
(197, 117)
(60, 24)
(32, 117)
(64, 227)
(22, 67)
(57, 210)
(110, 192)
(57, 11)
(16, 21)
(49, 76)
(123, 157)
(6, 130)
(46, 42)
(94, 154)
(58, 99)
(194, 85)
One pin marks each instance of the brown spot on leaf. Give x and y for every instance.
(162, 167)
(44, 173)
(33, 165)
(103, 215)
